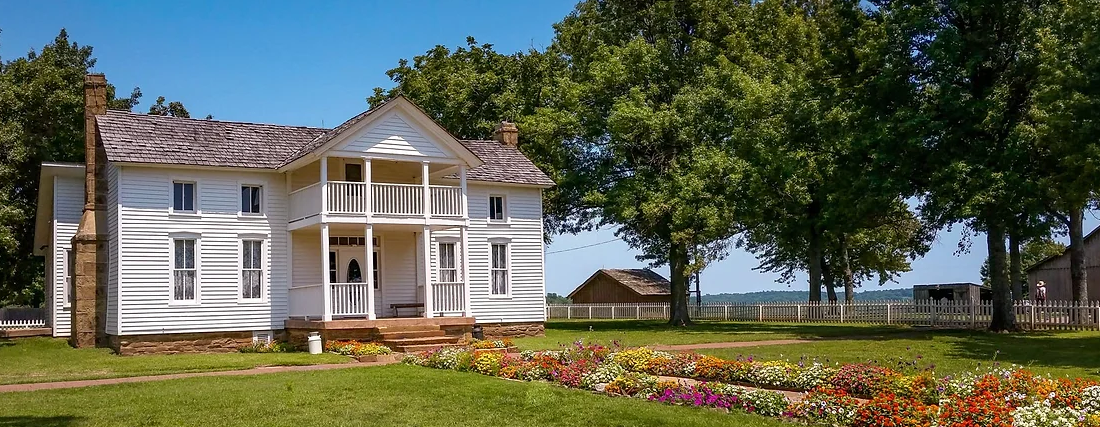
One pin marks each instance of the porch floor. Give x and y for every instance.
(336, 324)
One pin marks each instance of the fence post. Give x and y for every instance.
(1031, 315)
(935, 308)
(760, 313)
(569, 312)
(637, 312)
(888, 319)
(842, 312)
(799, 307)
(589, 312)
(974, 317)
(726, 312)
(612, 312)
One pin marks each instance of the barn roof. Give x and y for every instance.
(1092, 234)
(642, 281)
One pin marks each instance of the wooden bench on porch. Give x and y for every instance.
(397, 307)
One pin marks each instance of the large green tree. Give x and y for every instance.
(1067, 121)
(971, 67)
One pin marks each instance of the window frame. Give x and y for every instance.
(262, 205)
(197, 268)
(507, 268)
(503, 209)
(440, 269)
(194, 183)
(68, 281)
(262, 269)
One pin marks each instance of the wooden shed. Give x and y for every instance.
(1055, 272)
(622, 285)
(972, 292)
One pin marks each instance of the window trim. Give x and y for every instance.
(172, 181)
(172, 268)
(68, 282)
(264, 248)
(263, 200)
(439, 261)
(507, 268)
(505, 218)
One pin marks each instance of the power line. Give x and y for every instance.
(585, 246)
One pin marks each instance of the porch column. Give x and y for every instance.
(426, 243)
(462, 183)
(427, 193)
(326, 288)
(369, 262)
(465, 272)
(369, 192)
(324, 195)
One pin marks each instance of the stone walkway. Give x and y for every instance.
(253, 371)
(793, 396)
(735, 344)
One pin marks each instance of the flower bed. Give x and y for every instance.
(364, 352)
(266, 347)
(857, 395)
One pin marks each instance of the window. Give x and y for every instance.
(250, 199)
(374, 264)
(448, 273)
(252, 270)
(183, 272)
(499, 269)
(332, 267)
(70, 276)
(496, 207)
(183, 196)
(353, 172)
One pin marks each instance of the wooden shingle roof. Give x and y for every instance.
(643, 281)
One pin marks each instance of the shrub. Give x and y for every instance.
(266, 347)
(356, 348)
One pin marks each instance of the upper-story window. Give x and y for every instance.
(250, 199)
(496, 208)
(353, 172)
(183, 196)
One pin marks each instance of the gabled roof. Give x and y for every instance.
(1092, 234)
(142, 138)
(642, 281)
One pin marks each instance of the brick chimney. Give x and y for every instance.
(506, 133)
(89, 307)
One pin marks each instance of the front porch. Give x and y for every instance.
(400, 334)
(414, 272)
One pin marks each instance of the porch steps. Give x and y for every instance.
(409, 339)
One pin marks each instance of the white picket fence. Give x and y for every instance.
(22, 317)
(1052, 315)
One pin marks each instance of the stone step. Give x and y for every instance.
(408, 328)
(444, 339)
(388, 335)
(422, 347)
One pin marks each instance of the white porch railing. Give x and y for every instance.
(305, 202)
(397, 199)
(446, 200)
(448, 298)
(347, 197)
(349, 299)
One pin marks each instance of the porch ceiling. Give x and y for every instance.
(344, 229)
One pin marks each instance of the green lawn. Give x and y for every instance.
(633, 333)
(33, 360)
(395, 395)
(1075, 354)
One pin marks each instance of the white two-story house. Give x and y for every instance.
(218, 233)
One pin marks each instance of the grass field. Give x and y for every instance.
(950, 352)
(395, 395)
(651, 332)
(32, 360)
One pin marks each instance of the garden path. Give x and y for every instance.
(793, 396)
(253, 371)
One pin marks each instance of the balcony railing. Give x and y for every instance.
(350, 198)
(349, 299)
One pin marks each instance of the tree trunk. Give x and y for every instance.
(849, 277)
(1077, 274)
(1004, 318)
(828, 280)
(678, 307)
(1015, 266)
(815, 253)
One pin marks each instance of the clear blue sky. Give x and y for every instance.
(303, 63)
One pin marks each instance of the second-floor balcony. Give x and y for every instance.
(361, 198)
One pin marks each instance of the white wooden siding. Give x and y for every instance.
(146, 228)
(68, 205)
(523, 231)
(394, 135)
(398, 270)
(307, 258)
(112, 249)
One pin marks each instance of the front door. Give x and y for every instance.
(350, 268)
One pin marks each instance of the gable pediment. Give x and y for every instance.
(395, 134)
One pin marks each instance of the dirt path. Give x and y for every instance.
(253, 371)
(735, 344)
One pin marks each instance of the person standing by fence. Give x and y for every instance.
(1040, 292)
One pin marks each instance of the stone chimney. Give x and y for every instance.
(506, 133)
(89, 306)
